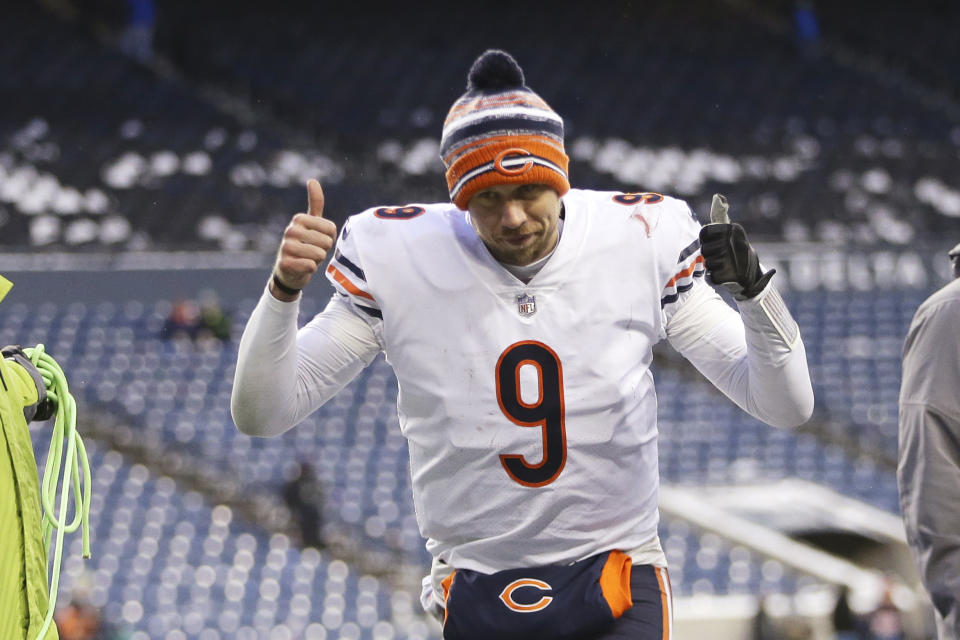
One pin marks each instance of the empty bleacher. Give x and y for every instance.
(98, 151)
(167, 563)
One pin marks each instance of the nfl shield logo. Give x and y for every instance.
(526, 304)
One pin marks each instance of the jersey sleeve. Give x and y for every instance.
(681, 265)
(345, 272)
(754, 354)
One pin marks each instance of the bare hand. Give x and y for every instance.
(306, 241)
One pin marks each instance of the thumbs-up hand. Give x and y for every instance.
(304, 247)
(729, 259)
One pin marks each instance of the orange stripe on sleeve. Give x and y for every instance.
(346, 284)
(686, 272)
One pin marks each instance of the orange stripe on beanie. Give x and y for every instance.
(501, 132)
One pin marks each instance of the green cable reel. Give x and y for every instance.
(72, 461)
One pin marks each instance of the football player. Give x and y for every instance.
(520, 319)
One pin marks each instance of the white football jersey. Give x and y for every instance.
(529, 409)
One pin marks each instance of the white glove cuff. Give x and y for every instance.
(767, 314)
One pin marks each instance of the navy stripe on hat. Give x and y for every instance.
(508, 126)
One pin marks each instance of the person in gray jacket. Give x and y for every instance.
(928, 472)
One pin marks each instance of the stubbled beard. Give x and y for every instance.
(522, 256)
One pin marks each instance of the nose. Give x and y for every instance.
(513, 215)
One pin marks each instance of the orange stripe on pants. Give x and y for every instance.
(666, 595)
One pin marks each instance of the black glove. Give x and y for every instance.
(45, 407)
(728, 256)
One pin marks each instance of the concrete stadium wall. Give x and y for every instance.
(40, 278)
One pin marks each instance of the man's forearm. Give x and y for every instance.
(752, 358)
(283, 375)
(264, 384)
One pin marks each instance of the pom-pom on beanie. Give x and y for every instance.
(501, 132)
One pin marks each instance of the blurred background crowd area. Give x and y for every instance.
(175, 129)
(824, 122)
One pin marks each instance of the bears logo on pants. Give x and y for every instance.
(507, 595)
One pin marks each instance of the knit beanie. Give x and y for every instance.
(501, 132)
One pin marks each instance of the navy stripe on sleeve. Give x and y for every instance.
(370, 311)
(665, 300)
(690, 250)
(357, 271)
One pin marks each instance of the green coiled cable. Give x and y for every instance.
(64, 429)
